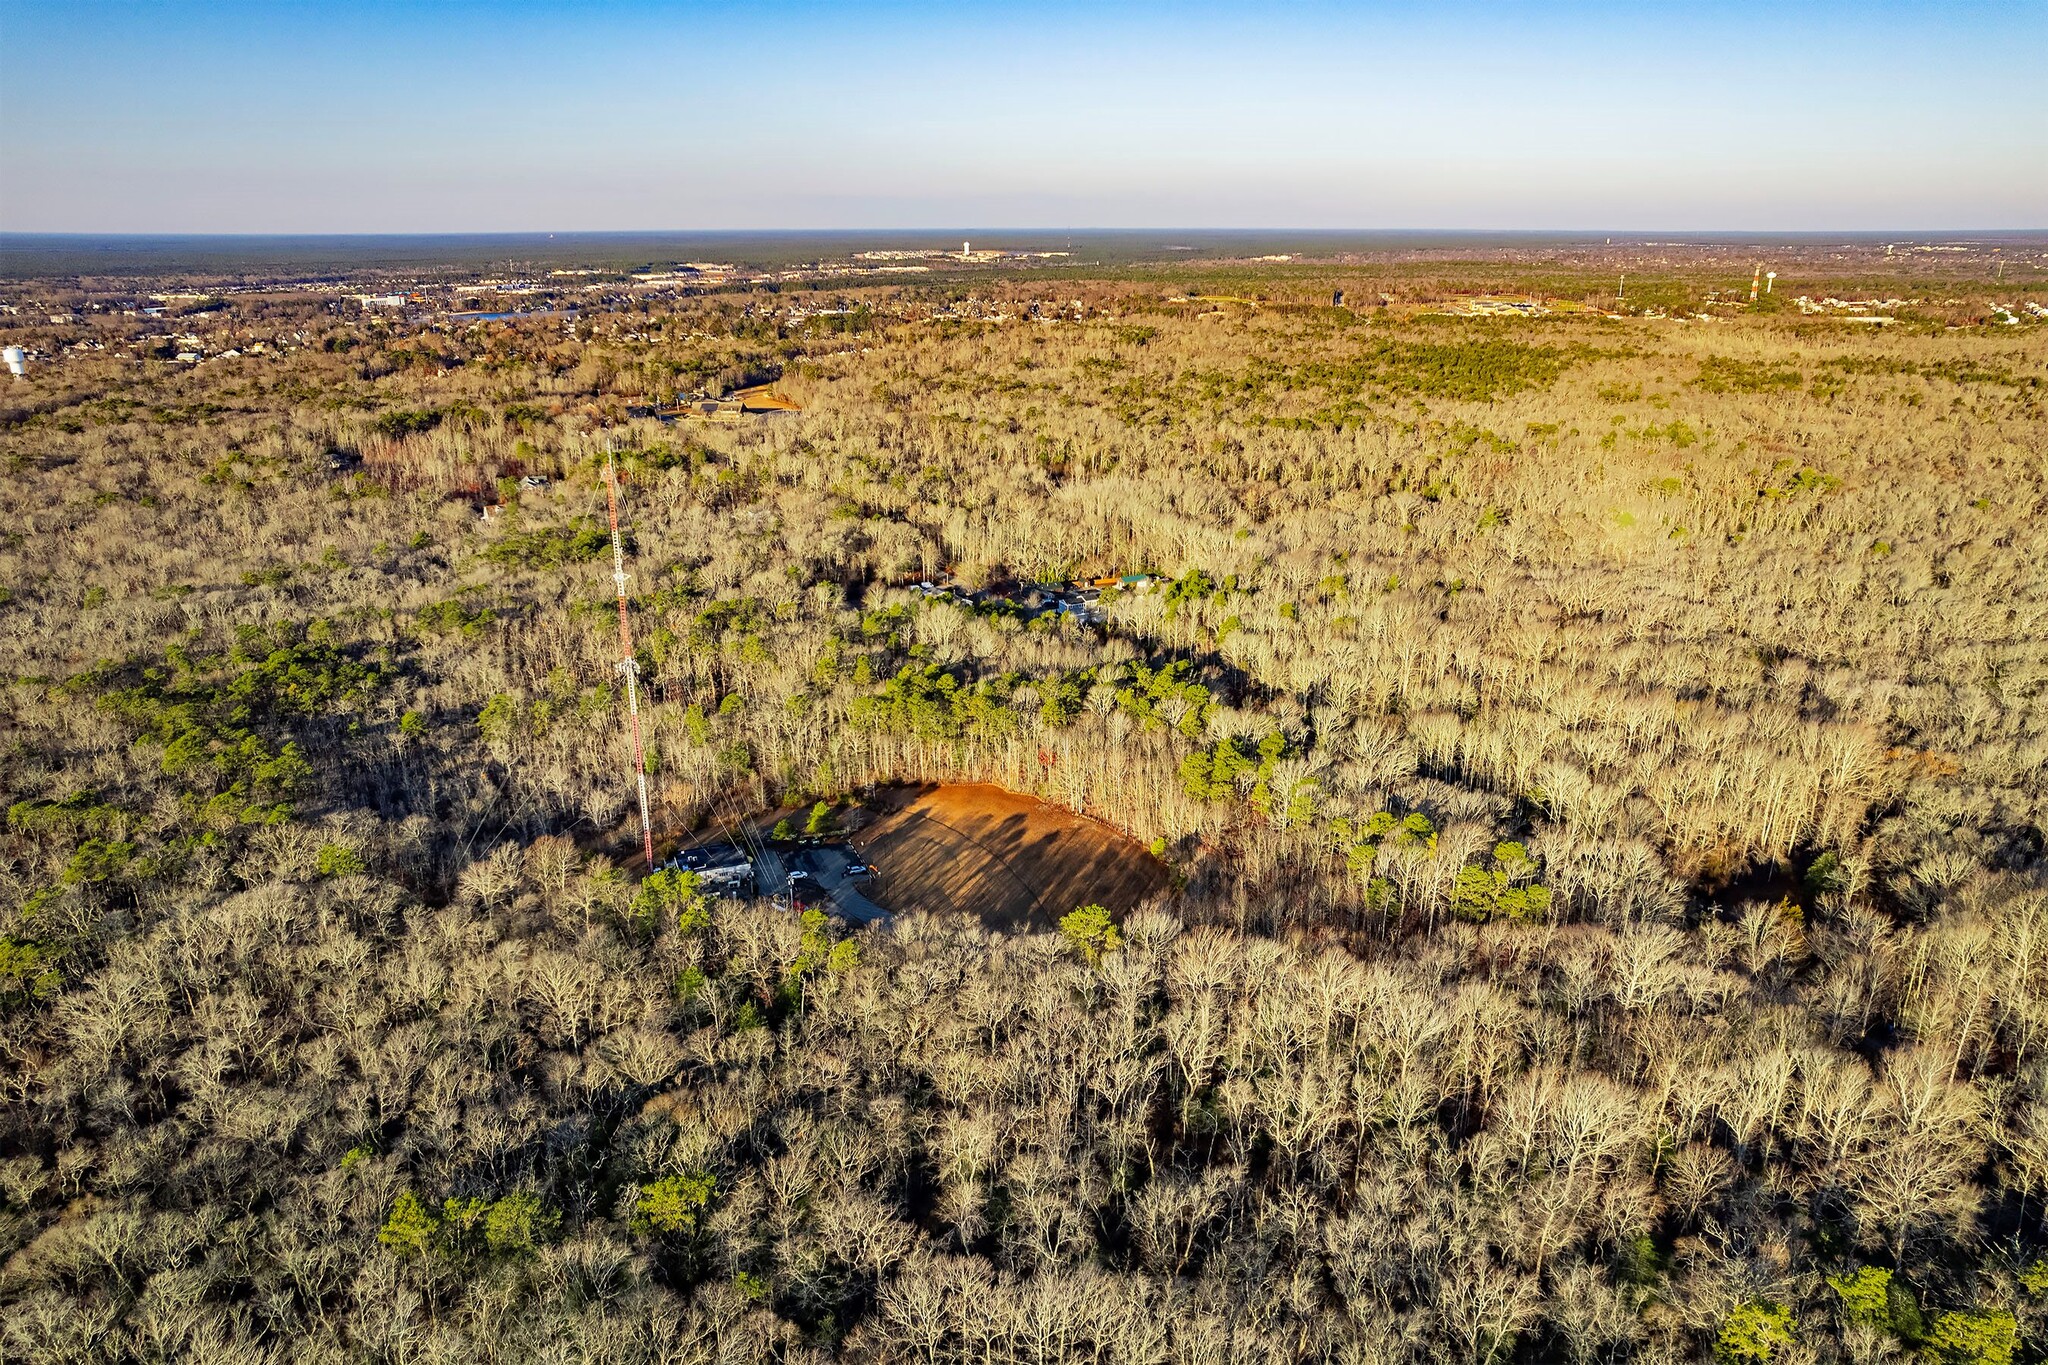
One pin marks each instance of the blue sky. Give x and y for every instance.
(426, 116)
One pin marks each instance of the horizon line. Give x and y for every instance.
(1037, 231)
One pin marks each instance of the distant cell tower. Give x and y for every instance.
(626, 664)
(1756, 283)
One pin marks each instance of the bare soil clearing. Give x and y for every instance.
(1013, 860)
(766, 398)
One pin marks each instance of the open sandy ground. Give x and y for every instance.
(1013, 860)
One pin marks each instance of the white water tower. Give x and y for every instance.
(17, 361)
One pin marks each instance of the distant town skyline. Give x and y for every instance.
(455, 117)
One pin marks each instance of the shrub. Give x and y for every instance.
(339, 860)
(1865, 1295)
(80, 813)
(551, 547)
(673, 891)
(1754, 1332)
(26, 974)
(670, 1206)
(1213, 774)
(1971, 1338)
(1508, 889)
(499, 718)
(519, 1223)
(411, 1228)
(98, 860)
(820, 819)
(407, 422)
(1092, 932)
(1639, 1264)
(454, 616)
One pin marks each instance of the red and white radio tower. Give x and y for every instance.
(626, 664)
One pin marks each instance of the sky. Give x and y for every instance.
(424, 116)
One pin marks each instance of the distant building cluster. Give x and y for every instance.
(688, 273)
(965, 255)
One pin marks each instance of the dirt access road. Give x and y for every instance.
(1012, 860)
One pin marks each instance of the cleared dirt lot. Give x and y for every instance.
(1012, 860)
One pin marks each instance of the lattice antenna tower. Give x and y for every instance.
(627, 665)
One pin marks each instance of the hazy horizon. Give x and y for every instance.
(34, 255)
(460, 118)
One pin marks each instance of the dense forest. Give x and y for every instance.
(1601, 764)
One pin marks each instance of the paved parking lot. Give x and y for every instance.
(826, 864)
